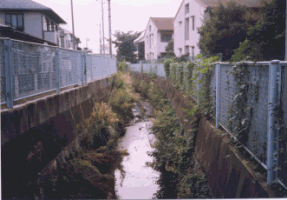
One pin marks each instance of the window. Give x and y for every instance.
(15, 21)
(49, 25)
(52, 26)
(180, 51)
(186, 50)
(192, 18)
(187, 29)
(165, 37)
(150, 28)
(151, 40)
(186, 8)
(192, 52)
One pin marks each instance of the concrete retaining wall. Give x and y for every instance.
(34, 133)
(66, 107)
(229, 173)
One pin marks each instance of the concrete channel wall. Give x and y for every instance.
(34, 133)
(229, 173)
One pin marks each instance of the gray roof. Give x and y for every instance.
(163, 23)
(29, 5)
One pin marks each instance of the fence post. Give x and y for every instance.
(82, 68)
(85, 69)
(92, 63)
(217, 77)
(57, 57)
(197, 88)
(272, 132)
(9, 73)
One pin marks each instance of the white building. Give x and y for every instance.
(189, 18)
(66, 39)
(158, 33)
(31, 18)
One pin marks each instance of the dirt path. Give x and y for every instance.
(140, 180)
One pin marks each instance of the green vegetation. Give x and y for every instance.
(224, 28)
(88, 169)
(266, 39)
(170, 49)
(242, 33)
(173, 156)
(125, 45)
(122, 66)
(166, 65)
(199, 72)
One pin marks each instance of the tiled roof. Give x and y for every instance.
(21, 4)
(213, 3)
(163, 23)
(29, 5)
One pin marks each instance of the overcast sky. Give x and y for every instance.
(126, 15)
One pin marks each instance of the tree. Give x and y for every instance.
(170, 49)
(266, 39)
(125, 45)
(224, 28)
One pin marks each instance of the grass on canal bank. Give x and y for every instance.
(89, 170)
(173, 156)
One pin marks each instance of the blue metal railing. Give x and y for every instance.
(29, 69)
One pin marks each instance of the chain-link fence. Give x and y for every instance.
(3, 77)
(240, 96)
(283, 129)
(33, 69)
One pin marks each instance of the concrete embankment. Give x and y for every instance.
(34, 133)
(230, 174)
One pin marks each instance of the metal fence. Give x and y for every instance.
(148, 67)
(29, 69)
(265, 109)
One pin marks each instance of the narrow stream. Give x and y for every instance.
(140, 180)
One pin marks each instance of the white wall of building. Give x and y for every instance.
(196, 11)
(33, 24)
(151, 36)
(51, 36)
(153, 50)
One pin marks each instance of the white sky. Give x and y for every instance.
(126, 15)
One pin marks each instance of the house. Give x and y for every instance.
(189, 18)
(66, 39)
(158, 33)
(140, 47)
(31, 19)
(9, 32)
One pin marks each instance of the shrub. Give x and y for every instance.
(166, 65)
(122, 66)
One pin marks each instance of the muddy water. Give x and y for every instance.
(140, 180)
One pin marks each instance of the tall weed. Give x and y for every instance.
(173, 156)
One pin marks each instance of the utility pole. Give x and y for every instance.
(110, 26)
(286, 33)
(100, 30)
(103, 27)
(73, 24)
(87, 39)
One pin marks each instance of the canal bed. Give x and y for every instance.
(140, 180)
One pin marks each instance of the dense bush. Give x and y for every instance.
(122, 66)
(166, 65)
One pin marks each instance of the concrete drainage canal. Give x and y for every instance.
(140, 180)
